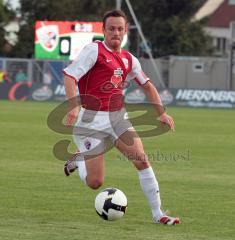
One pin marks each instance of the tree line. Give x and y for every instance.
(166, 24)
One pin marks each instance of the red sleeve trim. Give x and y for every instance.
(65, 73)
(139, 83)
(145, 82)
(144, 76)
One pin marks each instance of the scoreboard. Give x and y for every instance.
(63, 40)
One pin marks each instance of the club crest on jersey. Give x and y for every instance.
(116, 79)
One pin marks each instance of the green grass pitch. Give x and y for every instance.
(195, 167)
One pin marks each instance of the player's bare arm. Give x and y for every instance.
(73, 106)
(155, 99)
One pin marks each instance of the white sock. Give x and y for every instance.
(81, 168)
(150, 188)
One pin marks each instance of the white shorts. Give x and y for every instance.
(96, 131)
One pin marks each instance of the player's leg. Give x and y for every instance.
(89, 139)
(131, 146)
(95, 171)
(90, 168)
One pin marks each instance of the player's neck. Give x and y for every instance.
(112, 49)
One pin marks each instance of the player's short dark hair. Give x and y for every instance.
(114, 13)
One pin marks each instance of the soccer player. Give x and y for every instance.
(100, 71)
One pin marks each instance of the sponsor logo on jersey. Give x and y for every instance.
(118, 71)
(116, 79)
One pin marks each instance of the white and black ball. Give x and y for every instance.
(111, 204)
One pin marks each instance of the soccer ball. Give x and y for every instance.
(111, 204)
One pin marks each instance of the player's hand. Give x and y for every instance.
(71, 117)
(168, 120)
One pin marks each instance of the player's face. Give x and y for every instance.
(114, 30)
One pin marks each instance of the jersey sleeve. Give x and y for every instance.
(83, 63)
(136, 73)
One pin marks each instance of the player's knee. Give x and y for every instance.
(141, 162)
(95, 183)
(142, 165)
